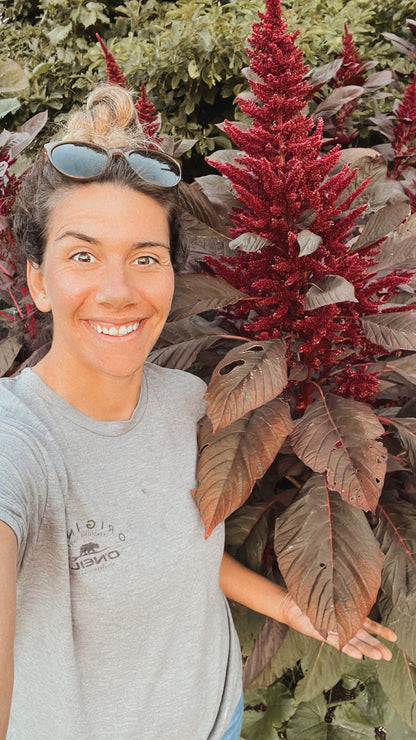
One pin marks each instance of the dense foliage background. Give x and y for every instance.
(312, 322)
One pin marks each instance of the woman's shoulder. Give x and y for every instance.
(172, 378)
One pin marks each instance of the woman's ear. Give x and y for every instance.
(37, 288)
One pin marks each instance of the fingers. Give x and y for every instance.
(379, 629)
(364, 644)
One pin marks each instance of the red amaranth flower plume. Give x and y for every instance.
(282, 181)
(404, 131)
(114, 73)
(147, 115)
(352, 67)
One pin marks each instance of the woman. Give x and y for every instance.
(116, 623)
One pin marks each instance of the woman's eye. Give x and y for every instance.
(145, 259)
(83, 257)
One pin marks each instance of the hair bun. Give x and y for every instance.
(110, 118)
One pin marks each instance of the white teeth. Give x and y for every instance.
(116, 331)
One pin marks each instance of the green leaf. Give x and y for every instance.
(280, 706)
(59, 34)
(8, 105)
(398, 679)
(329, 559)
(12, 77)
(248, 377)
(349, 723)
(373, 705)
(308, 722)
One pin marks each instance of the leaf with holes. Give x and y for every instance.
(268, 642)
(329, 559)
(337, 436)
(382, 222)
(391, 330)
(396, 533)
(331, 289)
(246, 378)
(232, 459)
(407, 432)
(197, 292)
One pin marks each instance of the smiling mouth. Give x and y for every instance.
(115, 331)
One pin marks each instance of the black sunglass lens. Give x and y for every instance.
(155, 168)
(78, 160)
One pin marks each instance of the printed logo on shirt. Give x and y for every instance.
(93, 545)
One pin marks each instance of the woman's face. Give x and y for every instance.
(107, 278)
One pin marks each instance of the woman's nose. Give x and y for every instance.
(116, 286)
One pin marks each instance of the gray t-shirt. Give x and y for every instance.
(122, 629)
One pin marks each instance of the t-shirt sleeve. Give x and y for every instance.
(23, 485)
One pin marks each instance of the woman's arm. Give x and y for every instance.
(8, 554)
(258, 593)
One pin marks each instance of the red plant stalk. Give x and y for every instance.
(350, 73)
(280, 178)
(404, 131)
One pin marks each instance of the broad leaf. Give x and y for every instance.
(331, 289)
(248, 376)
(348, 722)
(402, 624)
(240, 525)
(181, 341)
(249, 242)
(8, 105)
(322, 669)
(9, 348)
(218, 190)
(337, 436)
(308, 722)
(391, 330)
(336, 99)
(182, 355)
(326, 72)
(329, 559)
(407, 433)
(382, 222)
(396, 533)
(308, 242)
(269, 640)
(264, 725)
(398, 251)
(398, 679)
(197, 292)
(12, 77)
(235, 457)
(226, 155)
(377, 80)
(31, 128)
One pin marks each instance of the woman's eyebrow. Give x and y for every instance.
(78, 235)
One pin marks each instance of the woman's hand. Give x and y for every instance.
(363, 643)
(258, 593)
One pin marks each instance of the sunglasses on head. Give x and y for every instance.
(83, 161)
